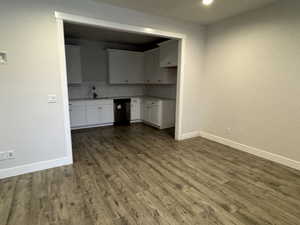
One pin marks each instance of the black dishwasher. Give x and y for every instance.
(122, 111)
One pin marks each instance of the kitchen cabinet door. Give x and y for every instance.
(93, 115)
(169, 54)
(154, 74)
(152, 66)
(135, 112)
(77, 115)
(99, 114)
(73, 62)
(125, 67)
(106, 114)
(154, 115)
(146, 111)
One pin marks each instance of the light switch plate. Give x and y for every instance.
(52, 99)
(3, 57)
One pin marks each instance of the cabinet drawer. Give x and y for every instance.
(153, 102)
(99, 102)
(136, 100)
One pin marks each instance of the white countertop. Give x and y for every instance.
(120, 97)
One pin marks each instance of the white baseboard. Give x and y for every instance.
(33, 167)
(189, 135)
(254, 151)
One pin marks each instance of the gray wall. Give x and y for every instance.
(31, 126)
(252, 79)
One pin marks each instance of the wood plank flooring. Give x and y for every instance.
(140, 176)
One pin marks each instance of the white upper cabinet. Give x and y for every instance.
(152, 66)
(169, 53)
(156, 66)
(74, 72)
(125, 67)
(154, 74)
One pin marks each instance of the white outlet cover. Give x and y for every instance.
(3, 58)
(10, 155)
(7, 155)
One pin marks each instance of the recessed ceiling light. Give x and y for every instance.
(207, 2)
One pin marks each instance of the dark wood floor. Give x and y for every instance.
(140, 175)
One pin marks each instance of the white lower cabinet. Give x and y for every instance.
(89, 113)
(159, 113)
(146, 111)
(135, 110)
(93, 114)
(155, 115)
(107, 114)
(77, 113)
(99, 112)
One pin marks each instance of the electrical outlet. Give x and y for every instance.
(10, 154)
(7, 155)
(3, 57)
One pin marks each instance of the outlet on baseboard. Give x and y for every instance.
(7, 155)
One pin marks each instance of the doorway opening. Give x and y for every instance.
(108, 62)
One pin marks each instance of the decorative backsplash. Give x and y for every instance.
(103, 89)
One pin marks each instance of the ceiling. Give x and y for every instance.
(79, 31)
(191, 10)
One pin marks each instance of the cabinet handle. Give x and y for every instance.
(126, 81)
(159, 80)
(99, 107)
